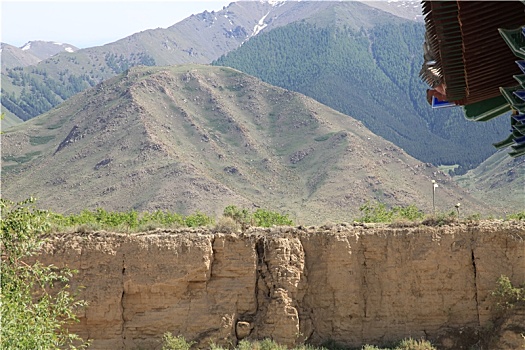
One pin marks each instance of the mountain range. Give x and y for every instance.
(200, 38)
(370, 74)
(371, 77)
(355, 58)
(31, 53)
(28, 55)
(187, 138)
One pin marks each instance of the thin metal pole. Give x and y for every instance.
(433, 197)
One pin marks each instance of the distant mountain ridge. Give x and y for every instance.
(499, 180)
(188, 138)
(31, 53)
(13, 56)
(199, 38)
(406, 9)
(46, 49)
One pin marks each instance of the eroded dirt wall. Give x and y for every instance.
(350, 284)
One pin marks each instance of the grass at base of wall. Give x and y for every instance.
(179, 343)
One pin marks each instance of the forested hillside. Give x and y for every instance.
(371, 75)
(30, 91)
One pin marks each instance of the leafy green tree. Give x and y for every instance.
(376, 212)
(36, 306)
(198, 219)
(260, 218)
(266, 218)
(241, 216)
(508, 295)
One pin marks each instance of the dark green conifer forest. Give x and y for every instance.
(371, 75)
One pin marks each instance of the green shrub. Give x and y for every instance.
(175, 343)
(197, 220)
(405, 344)
(268, 344)
(226, 224)
(440, 219)
(506, 294)
(412, 344)
(36, 305)
(266, 218)
(241, 216)
(517, 216)
(260, 218)
(131, 220)
(473, 217)
(101, 217)
(376, 212)
(162, 219)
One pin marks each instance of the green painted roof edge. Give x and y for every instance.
(516, 102)
(514, 39)
(486, 109)
(519, 150)
(520, 78)
(505, 143)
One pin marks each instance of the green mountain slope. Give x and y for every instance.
(13, 56)
(189, 138)
(499, 180)
(9, 119)
(371, 74)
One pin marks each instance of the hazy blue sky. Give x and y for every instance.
(92, 23)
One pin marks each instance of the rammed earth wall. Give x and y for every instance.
(350, 284)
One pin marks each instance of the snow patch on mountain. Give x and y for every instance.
(26, 46)
(69, 49)
(276, 2)
(228, 18)
(261, 25)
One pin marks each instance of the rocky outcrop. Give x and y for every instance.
(350, 284)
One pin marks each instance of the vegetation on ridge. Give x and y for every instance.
(378, 212)
(233, 218)
(133, 221)
(259, 218)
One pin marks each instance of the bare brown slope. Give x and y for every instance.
(189, 138)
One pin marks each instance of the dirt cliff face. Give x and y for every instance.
(350, 284)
